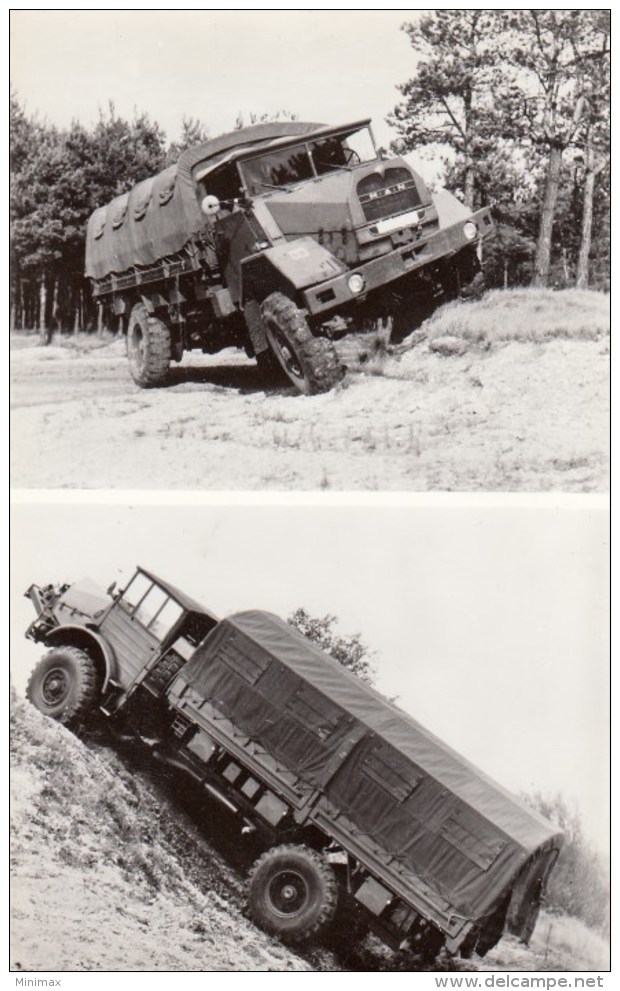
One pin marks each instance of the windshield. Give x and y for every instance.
(285, 166)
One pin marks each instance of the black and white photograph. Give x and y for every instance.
(267, 739)
(349, 250)
(310, 388)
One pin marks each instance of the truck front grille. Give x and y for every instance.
(387, 195)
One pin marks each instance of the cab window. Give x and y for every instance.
(151, 606)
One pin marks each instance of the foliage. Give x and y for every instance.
(449, 101)
(264, 118)
(579, 884)
(517, 103)
(193, 132)
(349, 649)
(58, 177)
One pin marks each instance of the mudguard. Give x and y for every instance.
(289, 266)
(78, 636)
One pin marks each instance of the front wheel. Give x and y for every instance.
(149, 348)
(310, 362)
(64, 685)
(293, 893)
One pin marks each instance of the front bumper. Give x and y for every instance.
(402, 261)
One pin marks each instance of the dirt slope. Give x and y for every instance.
(509, 393)
(103, 880)
(109, 874)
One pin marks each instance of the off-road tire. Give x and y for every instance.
(292, 893)
(310, 362)
(149, 348)
(64, 686)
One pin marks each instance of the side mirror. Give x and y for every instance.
(210, 205)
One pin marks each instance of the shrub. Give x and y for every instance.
(579, 885)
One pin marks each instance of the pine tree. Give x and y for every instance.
(449, 102)
(553, 50)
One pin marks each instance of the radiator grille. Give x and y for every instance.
(388, 195)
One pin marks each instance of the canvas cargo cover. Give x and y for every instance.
(160, 215)
(431, 811)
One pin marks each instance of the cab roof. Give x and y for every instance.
(184, 600)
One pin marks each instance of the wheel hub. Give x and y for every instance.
(55, 686)
(290, 359)
(288, 893)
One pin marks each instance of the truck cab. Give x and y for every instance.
(138, 636)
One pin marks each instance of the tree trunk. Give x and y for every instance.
(543, 248)
(586, 231)
(45, 330)
(468, 191)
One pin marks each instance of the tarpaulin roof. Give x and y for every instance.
(432, 811)
(160, 215)
(394, 725)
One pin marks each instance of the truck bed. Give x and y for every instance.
(442, 834)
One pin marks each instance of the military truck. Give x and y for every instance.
(360, 811)
(298, 242)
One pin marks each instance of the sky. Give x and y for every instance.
(327, 66)
(489, 623)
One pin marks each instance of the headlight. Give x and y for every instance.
(356, 283)
(470, 230)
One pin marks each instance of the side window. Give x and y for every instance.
(164, 618)
(314, 711)
(151, 606)
(136, 590)
(225, 183)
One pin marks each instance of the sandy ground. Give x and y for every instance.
(520, 416)
(110, 872)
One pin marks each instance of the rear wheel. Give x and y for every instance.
(149, 348)
(293, 892)
(310, 362)
(64, 685)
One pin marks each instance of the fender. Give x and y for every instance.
(289, 266)
(81, 636)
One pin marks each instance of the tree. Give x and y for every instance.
(595, 143)
(579, 883)
(554, 51)
(254, 118)
(59, 177)
(450, 100)
(193, 132)
(349, 650)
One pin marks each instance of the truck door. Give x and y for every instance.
(137, 624)
(235, 239)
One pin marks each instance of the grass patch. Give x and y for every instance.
(529, 315)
